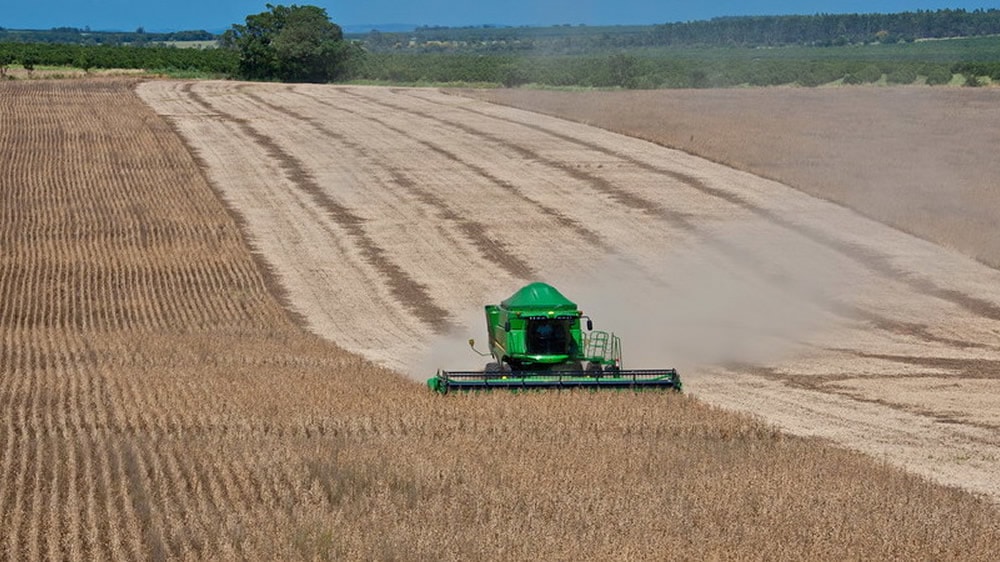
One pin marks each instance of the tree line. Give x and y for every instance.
(826, 29)
(29, 55)
(742, 31)
(661, 69)
(300, 43)
(632, 71)
(84, 36)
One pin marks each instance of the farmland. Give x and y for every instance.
(808, 300)
(919, 159)
(201, 350)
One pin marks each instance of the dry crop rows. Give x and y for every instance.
(158, 403)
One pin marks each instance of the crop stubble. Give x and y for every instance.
(159, 402)
(918, 158)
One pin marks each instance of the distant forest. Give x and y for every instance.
(744, 31)
(84, 36)
(828, 29)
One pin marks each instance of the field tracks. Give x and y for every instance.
(408, 293)
(865, 255)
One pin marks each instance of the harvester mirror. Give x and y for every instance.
(506, 326)
(590, 324)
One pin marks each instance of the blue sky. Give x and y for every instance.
(169, 15)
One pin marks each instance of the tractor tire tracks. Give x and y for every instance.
(409, 293)
(877, 262)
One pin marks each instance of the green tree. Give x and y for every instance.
(937, 74)
(84, 61)
(865, 75)
(6, 59)
(28, 61)
(291, 43)
(624, 70)
(972, 81)
(902, 75)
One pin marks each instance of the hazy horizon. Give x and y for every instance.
(177, 15)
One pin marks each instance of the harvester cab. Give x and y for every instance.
(536, 341)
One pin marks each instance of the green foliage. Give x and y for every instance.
(292, 44)
(972, 81)
(28, 61)
(300, 43)
(826, 30)
(76, 36)
(936, 74)
(868, 74)
(685, 68)
(902, 75)
(623, 70)
(210, 61)
(6, 59)
(83, 61)
(973, 70)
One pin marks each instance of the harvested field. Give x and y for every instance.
(159, 402)
(919, 158)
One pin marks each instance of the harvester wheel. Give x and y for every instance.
(594, 370)
(568, 367)
(497, 369)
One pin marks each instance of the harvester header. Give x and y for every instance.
(536, 341)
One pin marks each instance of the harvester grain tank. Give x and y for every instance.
(537, 341)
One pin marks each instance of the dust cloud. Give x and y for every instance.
(742, 293)
(746, 294)
(451, 351)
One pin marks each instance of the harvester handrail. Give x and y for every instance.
(605, 346)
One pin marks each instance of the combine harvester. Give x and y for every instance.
(536, 342)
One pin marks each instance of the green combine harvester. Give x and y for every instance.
(536, 342)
